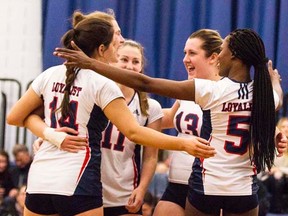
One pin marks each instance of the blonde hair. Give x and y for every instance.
(142, 95)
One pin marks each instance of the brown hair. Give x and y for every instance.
(212, 40)
(19, 148)
(88, 35)
(107, 16)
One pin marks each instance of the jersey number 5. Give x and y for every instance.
(243, 134)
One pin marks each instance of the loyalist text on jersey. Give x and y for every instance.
(60, 87)
(234, 107)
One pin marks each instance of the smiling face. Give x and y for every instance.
(130, 57)
(195, 60)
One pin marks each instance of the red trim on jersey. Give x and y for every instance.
(203, 169)
(85, 162)
(202, 161)
(135, 172)
(254, 168)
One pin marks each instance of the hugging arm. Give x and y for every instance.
(146, 136)
(71, 143)
(22, 113)
(28, 103)
(28, 112)
(64, 138)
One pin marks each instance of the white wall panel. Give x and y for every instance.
(20, 54)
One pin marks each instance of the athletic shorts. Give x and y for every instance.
(209, 204)
(119, 210)
(47, 204)
(176, 193)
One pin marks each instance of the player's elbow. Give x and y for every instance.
(13, 120)
(10, 119)
(133, 134)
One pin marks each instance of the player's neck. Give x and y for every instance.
(127, 92)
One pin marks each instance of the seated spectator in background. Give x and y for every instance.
(281, 163)
(264, 199)
(7, 187)
(164, 162)
(277, 181)
(14, 207)
(23, 160)
(148, 205)
(160, 179)
(283, 125)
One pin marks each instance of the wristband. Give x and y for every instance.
(54, 137)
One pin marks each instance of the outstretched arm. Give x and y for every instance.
(183, 90)
(128, 125)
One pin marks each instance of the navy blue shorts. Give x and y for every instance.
(176, 193)
(209, 204)
(119, 210)
(47, 204)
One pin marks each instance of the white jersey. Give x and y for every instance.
(226, 108)
(187, 122)
(121, 158)
(54, 171)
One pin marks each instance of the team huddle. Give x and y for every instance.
(100, 132)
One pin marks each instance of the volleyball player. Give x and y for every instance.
(122, 159)
(200, 60)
